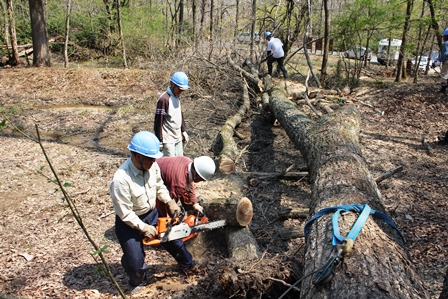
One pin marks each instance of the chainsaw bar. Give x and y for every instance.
(183, 230)
(207, 226)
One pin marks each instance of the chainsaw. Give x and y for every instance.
(181, 227)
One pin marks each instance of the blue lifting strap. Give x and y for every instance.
(364, 210)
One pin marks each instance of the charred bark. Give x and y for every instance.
(378, 266)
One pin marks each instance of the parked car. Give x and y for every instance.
(359, 52)
(423, 62)
(434, 54)
(244, 37)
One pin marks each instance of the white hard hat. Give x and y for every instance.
(205, 167)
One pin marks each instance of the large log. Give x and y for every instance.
(230, 153)
(378, 266)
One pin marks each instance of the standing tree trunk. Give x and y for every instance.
(305, 41)
(120, 29)
(323, 71)
(434, 23)
(252, 29)
(67, 32)
(407, 25)
(378, 266)
(212, 7)
(237, 14)
(15, 60)
(41, 53)
(193, 17)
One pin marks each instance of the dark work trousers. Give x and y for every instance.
(280, 65)
(133, 259)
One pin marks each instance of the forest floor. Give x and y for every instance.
(86, 118)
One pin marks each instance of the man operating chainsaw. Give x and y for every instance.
(179, 175)
(134, 189)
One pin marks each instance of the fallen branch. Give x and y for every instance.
(388, 174)
(105, 215)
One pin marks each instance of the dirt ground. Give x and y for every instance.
(86, 118)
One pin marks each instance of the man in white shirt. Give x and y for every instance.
(134, 189)
(275, 53)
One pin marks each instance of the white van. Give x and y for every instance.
(394, 51)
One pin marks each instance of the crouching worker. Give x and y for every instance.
(179, 175)
(134, 189)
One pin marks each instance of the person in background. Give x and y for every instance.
(179, 175)
(443, 61)
(275, 53)
(169, 124)
(134, 189)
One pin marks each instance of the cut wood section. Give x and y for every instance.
(237, 212)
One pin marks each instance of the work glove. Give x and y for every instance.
(149, 231)
(197, 207)
(173, 207)
(185, 137)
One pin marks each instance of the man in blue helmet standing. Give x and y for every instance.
(275, 53)
(443, 59)
(134, 189)
(169, 124)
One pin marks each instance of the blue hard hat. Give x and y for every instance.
(445, 32)
(181, 80)
(267, 34)
(147, 144)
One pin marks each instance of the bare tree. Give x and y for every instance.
(67, 31)
(120, 28)
(15, 60)
(41, 52)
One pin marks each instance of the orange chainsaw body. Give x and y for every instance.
(162, 224)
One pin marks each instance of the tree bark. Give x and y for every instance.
(41, 53)
(378, 266)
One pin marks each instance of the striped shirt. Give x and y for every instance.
(175, 174)
(168, 121)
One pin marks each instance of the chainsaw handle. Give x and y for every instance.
(150, 242)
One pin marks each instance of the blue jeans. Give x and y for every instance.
(133, 259)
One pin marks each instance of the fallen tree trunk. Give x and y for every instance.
(230, 153)
(378, 266)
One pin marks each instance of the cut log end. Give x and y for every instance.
(244, 211)
(227, 166)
